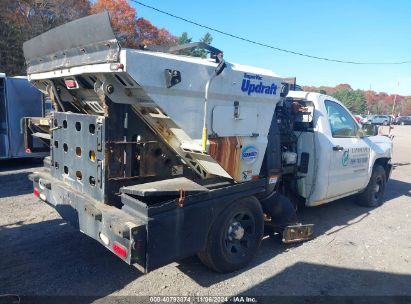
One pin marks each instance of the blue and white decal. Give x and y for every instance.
(249, 154)
(345, 158)
(252, 87)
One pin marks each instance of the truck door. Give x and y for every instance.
(350, 154)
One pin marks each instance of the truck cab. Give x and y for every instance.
(343, 156)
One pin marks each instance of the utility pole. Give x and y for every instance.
(395, 99)
(393, 105)
(393, 109)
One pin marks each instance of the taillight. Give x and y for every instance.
(28, 150)
(36, 192)
(71, 83)
(119, 250)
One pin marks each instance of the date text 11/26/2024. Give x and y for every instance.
(202, 299)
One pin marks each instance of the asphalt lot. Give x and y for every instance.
(356, 251)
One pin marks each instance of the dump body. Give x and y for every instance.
(241, 101)
(140, 85)
(236, 141)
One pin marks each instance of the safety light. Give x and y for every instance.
(36, 192)
(119, 250)
(104, 238)
(116, 66)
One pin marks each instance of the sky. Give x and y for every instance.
(365, 31)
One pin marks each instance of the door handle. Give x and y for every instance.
(338, 148)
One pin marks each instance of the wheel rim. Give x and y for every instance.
(240, 234)
(377, 188)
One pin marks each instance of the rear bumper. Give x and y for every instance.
(122, 234)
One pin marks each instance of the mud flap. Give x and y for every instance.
(297, 233)
(281, 211)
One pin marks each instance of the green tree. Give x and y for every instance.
(184, 38)
(353, 100)
(196, 52)
(345, 96)
(202, 53)
(360, 104)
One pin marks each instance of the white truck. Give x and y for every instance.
(159, 156)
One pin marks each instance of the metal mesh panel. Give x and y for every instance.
(78, 152)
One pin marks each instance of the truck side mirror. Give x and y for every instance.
(369, 130)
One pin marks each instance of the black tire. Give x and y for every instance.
(373, 195)
(235, 236)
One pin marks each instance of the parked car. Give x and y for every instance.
(403, 120)
(366, 119)
(381, 120)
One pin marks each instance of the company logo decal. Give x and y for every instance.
(252, 87)
(345, 158)
(249, 154)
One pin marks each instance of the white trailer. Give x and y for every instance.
(18, 98)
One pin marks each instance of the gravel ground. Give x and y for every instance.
(356, 251)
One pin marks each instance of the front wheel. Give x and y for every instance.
(234, 236)
(372, 196)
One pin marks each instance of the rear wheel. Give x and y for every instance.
(235, 236)
(373, 194)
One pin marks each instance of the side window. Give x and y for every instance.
(341, 122)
